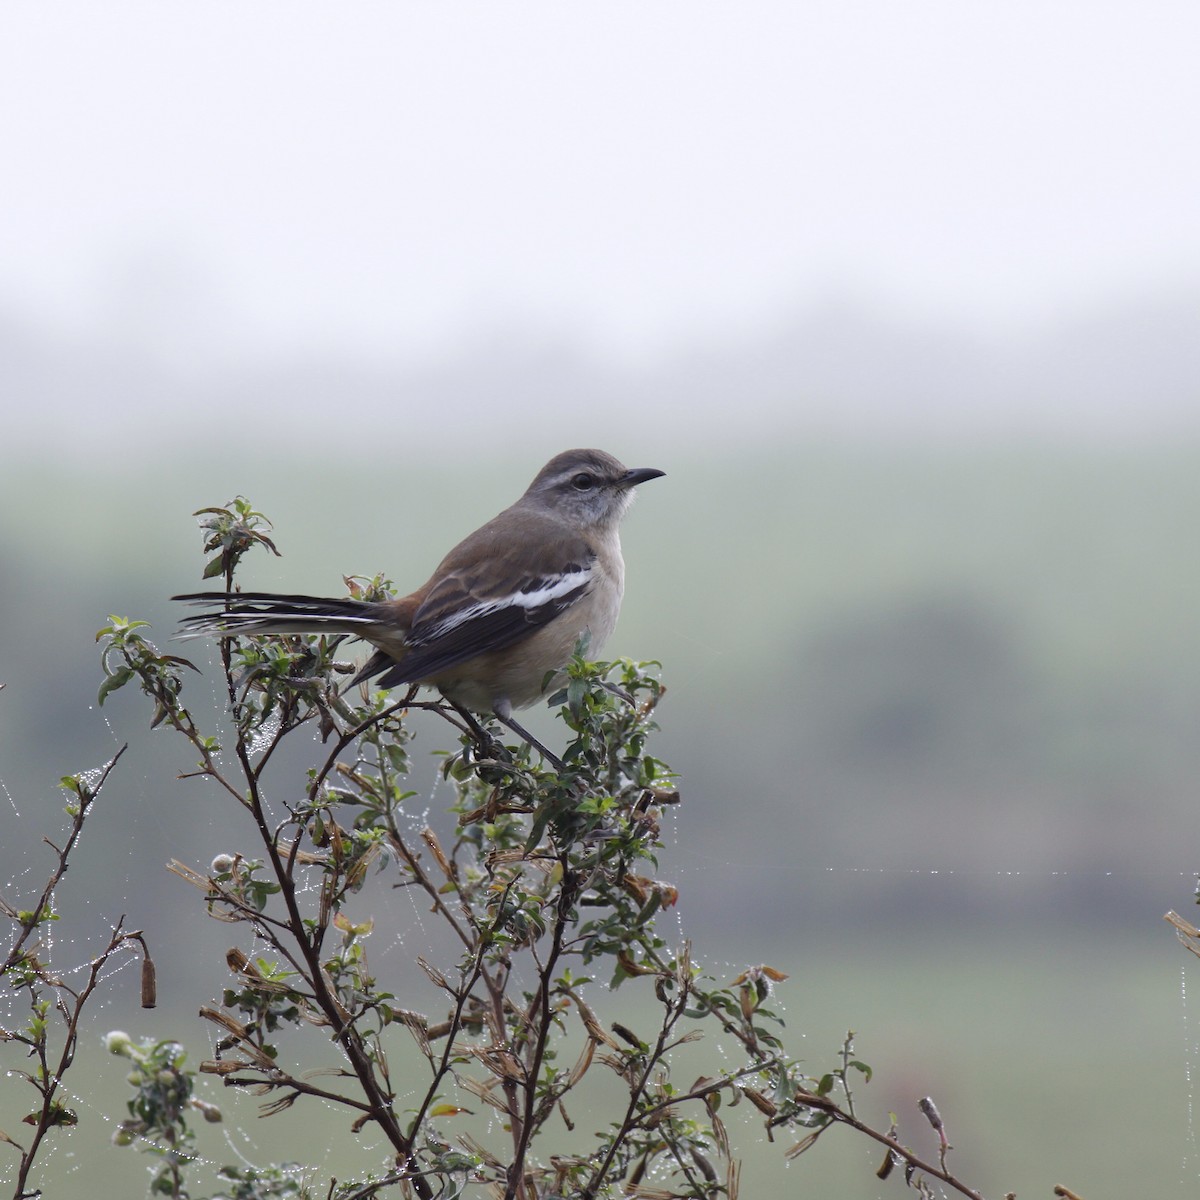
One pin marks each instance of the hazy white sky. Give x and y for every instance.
(379, 177)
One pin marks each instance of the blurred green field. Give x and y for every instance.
(935, 715)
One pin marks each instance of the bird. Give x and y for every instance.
(501, 615)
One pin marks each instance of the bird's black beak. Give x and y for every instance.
(640, 475)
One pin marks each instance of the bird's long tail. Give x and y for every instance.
(266, 612)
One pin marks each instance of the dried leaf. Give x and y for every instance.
(485, 1091)
(435, 975)
(580, 1069)
(471, 1146)
(760, 1102)
(802, 1145)
(591, 1022)
(1187, 933)
(217, 1017)
(281, 1104)
(224, 1066)
(193, 877)
(431, 840)
(633, 968)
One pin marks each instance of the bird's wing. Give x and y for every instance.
(488, 601)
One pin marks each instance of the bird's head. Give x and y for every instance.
(587, 487)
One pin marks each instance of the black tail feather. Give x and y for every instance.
(276, 604)
(268, 612)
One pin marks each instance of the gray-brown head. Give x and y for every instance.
(587, 487)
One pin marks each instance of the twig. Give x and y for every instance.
(86, 797)
(49, 1077)
(566, 892)
(632, 1116)
(812, 1100)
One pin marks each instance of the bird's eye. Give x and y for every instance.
(583, 482)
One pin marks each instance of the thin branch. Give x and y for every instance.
(51, 1076)
(822, 1104)
(299, 1086)
(426, 884)
(348, 737)
(455, 1024)
(698, 1093)
(632, 1116)
(86, 797)
(567, 887)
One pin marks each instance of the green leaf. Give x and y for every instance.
(118, 679)
(577, 689)
(538, 827)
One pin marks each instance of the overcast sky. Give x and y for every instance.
(379, 177)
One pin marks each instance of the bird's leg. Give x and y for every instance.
(528, 737)
(503, 714)
(503, 711)
(481, 735)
